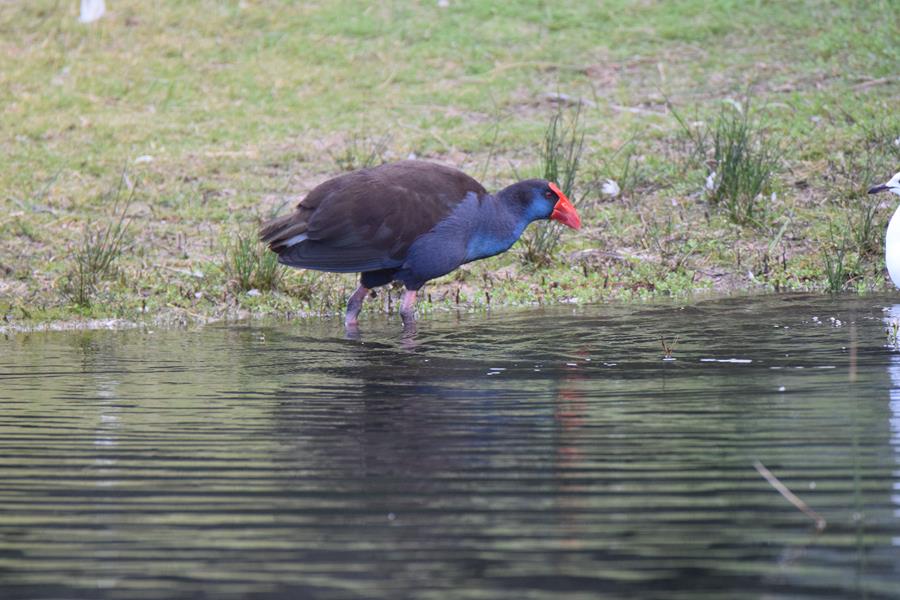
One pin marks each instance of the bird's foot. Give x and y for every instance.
(408, 311)
(409, 327)
(354, 306)
(351, 332)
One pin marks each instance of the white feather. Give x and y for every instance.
(892, 238)
(892, 248)
(295, 240)
(611, 188)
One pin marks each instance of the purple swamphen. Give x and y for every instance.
(409, 221)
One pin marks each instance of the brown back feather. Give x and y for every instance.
(375, 212)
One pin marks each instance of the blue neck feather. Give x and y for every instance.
(499, 226)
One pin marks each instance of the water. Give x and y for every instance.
(524, 454)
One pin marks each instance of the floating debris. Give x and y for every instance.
(892, 331)
(741, 361)
(668, 348)
(789, 495)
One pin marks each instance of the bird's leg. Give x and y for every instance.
(354, 305)
(408, 309)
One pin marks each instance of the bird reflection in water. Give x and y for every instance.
(892, 322)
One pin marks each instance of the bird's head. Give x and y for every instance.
(893, 185)
(540, 199)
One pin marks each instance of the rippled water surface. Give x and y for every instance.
(524, 454)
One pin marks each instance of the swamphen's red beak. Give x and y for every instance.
(564, 211)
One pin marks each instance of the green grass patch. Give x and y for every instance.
(99, 248)
(250, 266)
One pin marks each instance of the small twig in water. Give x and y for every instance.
(668, 348)
(789, 495)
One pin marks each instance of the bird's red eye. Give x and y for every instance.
(549, 195)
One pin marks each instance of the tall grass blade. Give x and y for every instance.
(560, 161)
(99, 248)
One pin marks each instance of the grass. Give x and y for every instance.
(745, 161)
(250, 266)
(360, 153)
(228, 112)
(100, 247)
(742, 162)
(560, 160)
(838, 268)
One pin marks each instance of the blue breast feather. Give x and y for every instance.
(494, 230)
(475, 229)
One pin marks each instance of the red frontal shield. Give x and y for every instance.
(564, 211)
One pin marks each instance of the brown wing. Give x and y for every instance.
(368, 219)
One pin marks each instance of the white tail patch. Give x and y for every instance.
(295, 240)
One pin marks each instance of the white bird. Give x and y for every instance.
(892, 239)
(91, 10)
